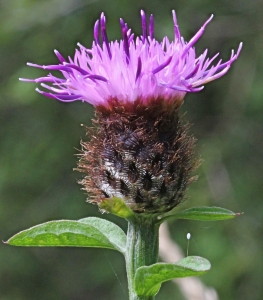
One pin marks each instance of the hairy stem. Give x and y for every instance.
(142, 249)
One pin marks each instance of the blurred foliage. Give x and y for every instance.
(38, 137)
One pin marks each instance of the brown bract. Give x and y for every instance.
(140, 152)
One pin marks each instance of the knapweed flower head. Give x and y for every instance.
(139, 149)
(132, 67)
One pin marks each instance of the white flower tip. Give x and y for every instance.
(188, 236)
(27, 80)
(239, 47)
(174, 17)
(208, 21)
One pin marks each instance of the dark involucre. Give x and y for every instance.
(140, 152)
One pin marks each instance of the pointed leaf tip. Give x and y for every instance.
(239, 214)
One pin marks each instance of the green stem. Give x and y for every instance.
(142, 249)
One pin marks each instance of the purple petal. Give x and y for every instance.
(96, 77)
(96, 32)
(79, 69)
(151, 27)
(60, 57)
(51, 67)
(177, 88)
(194, 90)
(144, 26)
(52, 79)
(104, 33)
(51, 88)
(185, 89)
(196, 36)
(65, 97)
(162, 66)
(139, 69)
(176, 27)
(125, 39)
(131, 38)
(192, 74)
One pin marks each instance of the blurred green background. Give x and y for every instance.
(39, 138)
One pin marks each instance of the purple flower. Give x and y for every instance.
(132, 68)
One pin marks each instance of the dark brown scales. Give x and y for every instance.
(139, 152)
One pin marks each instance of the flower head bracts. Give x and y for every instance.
(132, 67)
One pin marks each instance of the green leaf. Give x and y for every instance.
(205, 213)
(116, 206)
(148, 279)
(88, 232)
